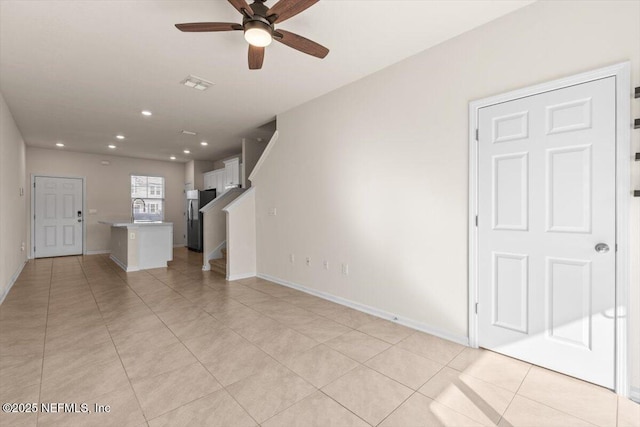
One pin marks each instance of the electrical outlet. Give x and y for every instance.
(273, 212)
(22, 247)
(345, 269)
(292, 258)
(132, 236)
(326, 264)
(308, 261)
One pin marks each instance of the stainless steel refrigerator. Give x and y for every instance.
(196, 200)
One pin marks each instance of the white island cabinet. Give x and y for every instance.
(141, 245)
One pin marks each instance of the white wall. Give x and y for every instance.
(375, 174)
(251, 152)
(241, 236)
(108, 188)
(13, 206)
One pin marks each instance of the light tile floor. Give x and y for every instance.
(182, 347)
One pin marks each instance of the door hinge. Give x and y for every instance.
(34, 185)
(477, 134)
(476, 308)
(476, 220)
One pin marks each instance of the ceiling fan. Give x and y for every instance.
(259, 30)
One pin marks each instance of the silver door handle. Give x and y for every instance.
(602, 248)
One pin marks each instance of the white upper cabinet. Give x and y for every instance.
(223, 179)
(220, 181)
(210, 180)
(232, 172)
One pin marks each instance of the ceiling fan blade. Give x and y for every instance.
(240, 5)
(198, 27)
(302, 44)
(256, 57)
(285, 9)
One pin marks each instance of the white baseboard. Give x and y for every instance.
(634, 394)
(12, 281)
(240, 276)
(410, 323)
(180, 245)
(102, 252)
(122, 266)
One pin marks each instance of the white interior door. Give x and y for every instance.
(546, 205)
(58, 216)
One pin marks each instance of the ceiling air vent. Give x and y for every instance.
(187, 132)
(196, 83)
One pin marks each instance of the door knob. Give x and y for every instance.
(602, 248)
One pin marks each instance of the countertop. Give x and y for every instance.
(128, 223)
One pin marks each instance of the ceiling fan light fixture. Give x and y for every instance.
(257, 33)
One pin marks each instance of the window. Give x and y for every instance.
(147, 197)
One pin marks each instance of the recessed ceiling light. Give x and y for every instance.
(172, 157)
(146, 113)
(204, 143)
(59, 144)
(186, 151)
(120, 136)
(196, 83)
(111, 146)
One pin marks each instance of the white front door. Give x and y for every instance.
(58, 216)
(546, 229)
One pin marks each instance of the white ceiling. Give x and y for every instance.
(80, 72)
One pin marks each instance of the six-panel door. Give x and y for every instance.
(58, 216)
(546, 200)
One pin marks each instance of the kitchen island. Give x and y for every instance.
(141, 245)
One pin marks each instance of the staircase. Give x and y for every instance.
(219, 265)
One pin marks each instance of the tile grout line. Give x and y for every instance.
(558, 410)
(414, 391)
(514, 394)
(249, 342)
(187, 348)
(44, 343)
(551, 407)
(211, 373)
(322, 391)
(113, 342)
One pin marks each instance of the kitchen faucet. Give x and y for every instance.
(133, 202)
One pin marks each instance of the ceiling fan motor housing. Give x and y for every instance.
(257, 23)
(259, 11)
